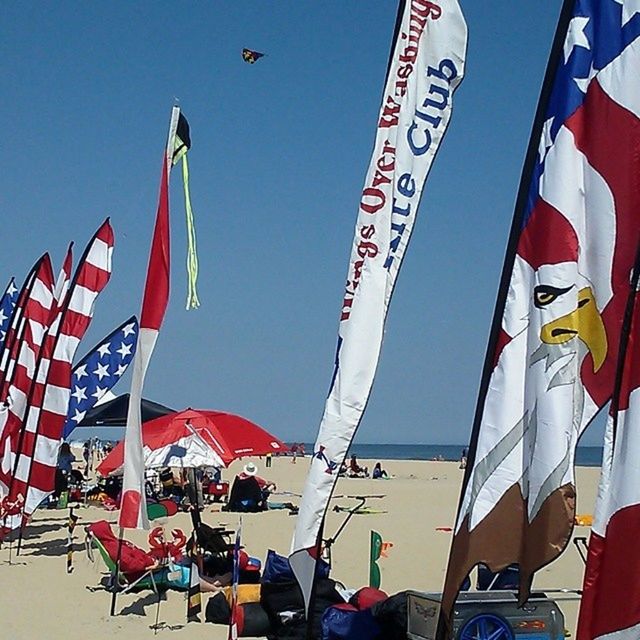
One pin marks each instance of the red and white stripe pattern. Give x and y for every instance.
(15, 330)
(133, 512)
(36, 317)
(35, 471)
(610, 604)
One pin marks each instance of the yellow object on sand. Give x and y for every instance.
(584, 520)
(246, 593)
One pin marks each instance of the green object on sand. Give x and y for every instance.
(63, 500)
(374, 555)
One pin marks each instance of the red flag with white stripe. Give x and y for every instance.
(26, 383)
(15, 330)
(34, 476)
(36, 318)
(133, 512)
(611, 592)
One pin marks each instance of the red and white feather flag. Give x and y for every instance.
(15, 330)
(26, 386)
(610, 605)
(133, 512)
(42, 433)
(22, 363)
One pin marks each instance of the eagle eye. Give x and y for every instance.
(545, 294)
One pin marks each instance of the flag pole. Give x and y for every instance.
(312, 596)
(114, 575)
(625, 334)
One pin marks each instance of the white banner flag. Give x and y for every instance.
(426, 67)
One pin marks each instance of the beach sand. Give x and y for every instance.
(39, 599)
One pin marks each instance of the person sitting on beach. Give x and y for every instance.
(378, 472)
(266, 486)
(355, 470)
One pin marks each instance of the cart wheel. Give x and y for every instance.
(486, 626)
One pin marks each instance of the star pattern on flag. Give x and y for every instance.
(103, 350)
(629, 9)
(100, 370)
(80, 371)
(585, 51)
(79, 393)
(576, 36)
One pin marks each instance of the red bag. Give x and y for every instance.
(367, 597)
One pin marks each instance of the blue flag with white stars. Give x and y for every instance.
(7, 304)
(100, 370)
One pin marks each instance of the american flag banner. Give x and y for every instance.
(7, 304)
(236, 611)
(36, 318)
(551, 360)
(426, 66)
(133, 510)
(100, 370)
(38, 453)
(609, 604)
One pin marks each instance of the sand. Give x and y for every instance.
(39, 599)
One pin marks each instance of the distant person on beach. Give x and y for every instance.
(378, 472)
(355, 470)
(268, 461)
(86, 456)
(463, 459)
(63, 469)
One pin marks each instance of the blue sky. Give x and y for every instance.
(280, 150)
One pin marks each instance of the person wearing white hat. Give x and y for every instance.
(251, 471)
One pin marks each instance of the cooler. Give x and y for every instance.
(486, 615)
(218, 490)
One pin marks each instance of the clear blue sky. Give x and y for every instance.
(280, 150)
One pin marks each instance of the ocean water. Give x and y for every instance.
(585, 456)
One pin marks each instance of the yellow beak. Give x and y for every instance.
(585, 323)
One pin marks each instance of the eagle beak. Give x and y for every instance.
(585, 323)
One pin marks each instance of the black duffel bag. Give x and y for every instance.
(284, 605)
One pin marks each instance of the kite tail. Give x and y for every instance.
(192, 250)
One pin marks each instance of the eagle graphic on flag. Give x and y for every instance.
(100, 370)
(551, 364)
(7, 304)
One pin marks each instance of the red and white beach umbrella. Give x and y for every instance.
(227, 436)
